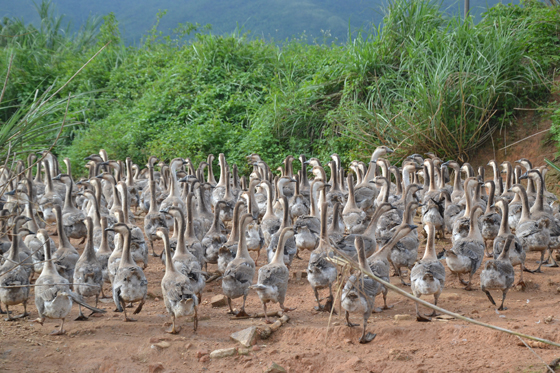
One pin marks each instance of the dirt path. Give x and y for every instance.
(107, 344)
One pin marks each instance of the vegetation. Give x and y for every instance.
(425, 81)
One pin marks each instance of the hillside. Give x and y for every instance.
(272, 19)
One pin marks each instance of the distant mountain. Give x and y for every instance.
(277, 19)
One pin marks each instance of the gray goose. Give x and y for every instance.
(72, 218)
(178, 295)
(138, 247)
(427, 277)
(13, 273)
(405, 252)
(353, 217)
(358, 295)
(321, 273)
(53, 297)
(240, 271)
(103, 254)
(490, 221)
(272, 283)
(289, 246)
(88, 273)
(153, 219)
(270, 223)
(498, 274)
(66, 256)
(214, 238)
(129, 284)
(229, 250)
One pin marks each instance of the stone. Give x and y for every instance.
(265, 332)
(275, 368)
(157, 339)
(204, 359)
(162, 344)
(548, 319)
(403, 317)
(201, 353)
(242, 351)
(218, 301)
(224, 352)
(188, 345)
(155, 368)
(276, 325)
(284, 319)
(246, 336)
(256, 348)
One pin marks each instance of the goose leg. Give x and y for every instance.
(139, 308)
(521, 282)
(419, 316)
(396, 271)
(469, 285)
(551, 258)
(266, 320)
(461, 280)
(402, 279)
(258, 256)
(385, 306)
(502, 308)
(173, 329)
(489, 296)
(286, 309)
(195, 319)
(242, 312)
(61, 330)
(330, 301)
(152, 246)
(366, 337)
(489, 254)
(2, 312)
(319, 306)
(436, 297)
(231, 312)
(10, 318)
(348, 323)
(81, 317)
(126, 318)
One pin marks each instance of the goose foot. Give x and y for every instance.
(351, 325)
(81, 318)
(522, 284)
(129, 319)
(129, 305)
(532, 271)
(58, 332)
(433, 314)
(502, 308)
(552, 265)
(367, 338)
(469, 288)
(421, 318)
(25, 314)
(464, 282)
(404, 283)
(287, 309)
(242, 313)
(39, 321)
(329, 305)
(319, 308)
(268, 322)
(378, 310)
(386, 307)
(173, 330)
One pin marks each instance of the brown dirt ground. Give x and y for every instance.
(107, 344)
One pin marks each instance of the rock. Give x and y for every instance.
(201, 353)
(548, 319)
(162, 344)
(204, 359)
(243, 351)
(276, 325)
(218, 301)
(157, 339)
(403, 317)
(246, 336)
(348, 340)
(558, 290)
(188, 345)
(265, 332)
(256, 348)
(155, 368)
(218, 354)
(284, 319)
(474, 312)
(275, 368)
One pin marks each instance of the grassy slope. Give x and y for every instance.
(279, 19)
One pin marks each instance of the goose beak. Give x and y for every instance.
(109, 230)
(11, 192)
(412, 226)
(85, 159)
(57, 177)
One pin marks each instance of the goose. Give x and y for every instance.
(466, 254)
(229, 250)
(178, 294)
(533, 234)
(66, 256)
(490, 221)
(321, 273)
(53, 297)
(88, 272)
(138, 248)
(185, 259)
(153, 219)
(32, 242)
(214, 238)
(550, 197)
(498, 183)
(116, 256)
(13, 273)
(427, 277)
(240, 271)
(378, 262)
(290, 248)
(50, 198)
(133, 192)
(220, 187)
(174, 198)
(337, 228)
(129, 284)
(307, 227)
(353, 217)
(17, 244)
(461, 224)
(388, 219)
(405, 252)
(72, 218)
(277, 207)
(192, 243)
(303, 181)
(299, 205)
(452, 211)
(96, 217)
(103, 254)
(346, 243)
(270, 223)
(458, 191)
(226, 213)
(211, 179)
(507, 193)
(498, 274)
(358, 295)
(272, 282)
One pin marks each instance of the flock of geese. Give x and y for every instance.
(366, 216)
